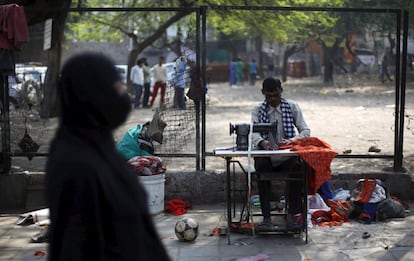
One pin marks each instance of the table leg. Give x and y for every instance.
(229, 218)
(306, 169)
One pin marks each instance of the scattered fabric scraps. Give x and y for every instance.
(39, 253)
(177, 207)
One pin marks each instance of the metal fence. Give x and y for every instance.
(188, 127)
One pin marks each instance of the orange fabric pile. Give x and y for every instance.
(318, 155)
(336, 216)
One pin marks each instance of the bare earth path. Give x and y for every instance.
(352, 114)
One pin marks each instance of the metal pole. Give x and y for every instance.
(398, 165)
(203, 101)
(5, 125)
(197, 102)
(397, 124)
(228, 198)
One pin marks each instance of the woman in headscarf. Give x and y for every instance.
(98, 209)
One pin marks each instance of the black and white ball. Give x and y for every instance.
(186, 229)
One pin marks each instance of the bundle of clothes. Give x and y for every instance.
(137, 147)
(369, 201)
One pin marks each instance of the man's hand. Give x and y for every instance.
(283, 142)
(267, 145)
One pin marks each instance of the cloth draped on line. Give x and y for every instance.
(318, 155)
(13, 27)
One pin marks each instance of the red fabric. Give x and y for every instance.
(147, 165)
(39, 253)
(177, 207)
(367, 189)
(320, 216)
(338, 217)
(342, 207)
(327, 218)
(340, 210)
(318, 155)
(13, 27)
(242, 227)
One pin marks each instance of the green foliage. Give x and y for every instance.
(284, 27)
(381, 21)
(276, 26)
(114, 26)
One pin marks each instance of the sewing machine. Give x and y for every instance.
(242, 131)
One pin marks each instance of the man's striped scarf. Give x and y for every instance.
(287, 118)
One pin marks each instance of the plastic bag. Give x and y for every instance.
(390, 208)
(315, 203)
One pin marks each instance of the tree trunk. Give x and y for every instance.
(289, 51)
(327, 64)
(50, 106)
(328, 60)
(132, 60)
(260, 69)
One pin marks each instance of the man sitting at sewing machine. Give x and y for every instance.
(288, 116)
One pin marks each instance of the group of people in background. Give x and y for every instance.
(237, 72)
(140, 77)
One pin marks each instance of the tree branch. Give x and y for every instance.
(157, 34)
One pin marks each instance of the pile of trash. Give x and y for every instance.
(41, 219)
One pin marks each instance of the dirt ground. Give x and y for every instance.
(353, 114)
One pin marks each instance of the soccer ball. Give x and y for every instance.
(186, 229)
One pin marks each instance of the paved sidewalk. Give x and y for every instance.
(392, 240)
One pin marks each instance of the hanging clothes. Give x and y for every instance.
(13, 27)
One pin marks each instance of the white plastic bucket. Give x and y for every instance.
(154, 186)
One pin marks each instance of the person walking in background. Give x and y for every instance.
(270, 70)
(180, 82)
(98, 209)
(386, 60)
(137, 79)
(233, 77)
(239, 71)
(160, 79)
(253, 72)
(147, 86)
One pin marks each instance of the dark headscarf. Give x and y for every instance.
(87, 93)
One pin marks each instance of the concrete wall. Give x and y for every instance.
(22, 192)
(195, 187)
(12, 192)
(25, 191)
(206, 187)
